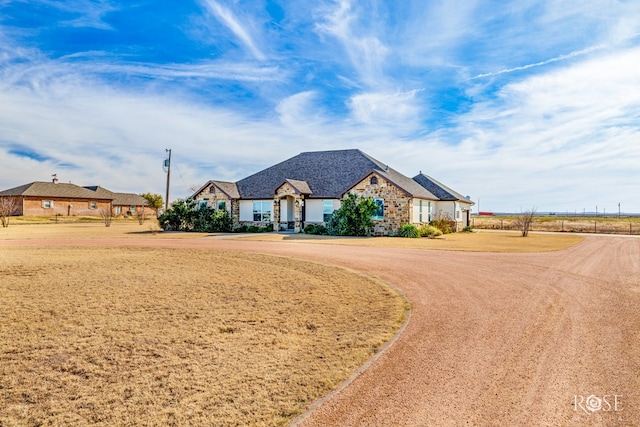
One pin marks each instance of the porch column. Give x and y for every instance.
(275, 218)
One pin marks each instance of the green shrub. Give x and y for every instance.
(467, 229)
(429, 231)
(353, 218)
(253, 228)
(409, 230)
(183, 215)
(318, 229)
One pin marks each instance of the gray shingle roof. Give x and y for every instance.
(329, 174)
(228, 188)
(50, 189)
(119, 199)
(302, 187)
(440, 190)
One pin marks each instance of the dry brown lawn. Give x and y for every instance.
(473, 242)
(161, 336)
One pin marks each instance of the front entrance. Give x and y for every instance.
(287, 210)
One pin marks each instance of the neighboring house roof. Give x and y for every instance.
(119, 199)
(53, 190)
(440, 190)
(328, 174)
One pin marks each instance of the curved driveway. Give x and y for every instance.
(544, 339)
(497, 339)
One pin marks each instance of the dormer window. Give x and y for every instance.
(212, 190)
(373, 180)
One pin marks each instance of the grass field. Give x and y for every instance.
(566, 224)
(140, 336)
(477, 242)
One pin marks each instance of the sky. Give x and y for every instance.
(517, 104)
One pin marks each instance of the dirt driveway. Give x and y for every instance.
(545, 339)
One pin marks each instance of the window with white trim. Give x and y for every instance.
(93, 204)
(379, 212)
(47, 204)
(262, 211)
(221, 204)
(327, 210)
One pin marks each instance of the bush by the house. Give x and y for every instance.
(429, 231)
(353, 218)
(467, 229)
(184, 215)
(253, 229)
(444, 224)
(410, 231)
(318, 229)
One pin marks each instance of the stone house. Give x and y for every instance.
(60, 199)
(307, 188)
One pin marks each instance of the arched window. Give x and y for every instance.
(374, 180)
(212, 190)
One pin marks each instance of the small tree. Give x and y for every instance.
(141, 215)
(107, 215)
(353, 218)
(7, 209)
(154, 201)
(524, 220)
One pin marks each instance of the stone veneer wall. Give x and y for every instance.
(215, 195)
(281, 193)
(397, 204)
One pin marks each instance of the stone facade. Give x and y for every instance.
(397, 204)
(284, 192)
(212, 195)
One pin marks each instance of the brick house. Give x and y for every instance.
(307, 188)
(123, 203)
(55, 198)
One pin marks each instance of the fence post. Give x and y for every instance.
(630, 232)
(562, 225)
(595, 227)
(501, 224)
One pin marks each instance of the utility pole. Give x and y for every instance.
(618, 210)
(167, 164)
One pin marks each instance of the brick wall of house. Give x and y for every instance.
(63, 207)
(397, 204)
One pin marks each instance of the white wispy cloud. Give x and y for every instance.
(367, 53)
(231, 21)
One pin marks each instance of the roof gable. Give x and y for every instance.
(440, 190)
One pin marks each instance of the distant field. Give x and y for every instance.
(158, 336)
(568, 224)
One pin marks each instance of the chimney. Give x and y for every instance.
(55, 178)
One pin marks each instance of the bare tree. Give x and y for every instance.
(524, 220)
(7, 209)
(107, 215)
(141, 214)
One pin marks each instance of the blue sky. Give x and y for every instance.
(515, 103)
